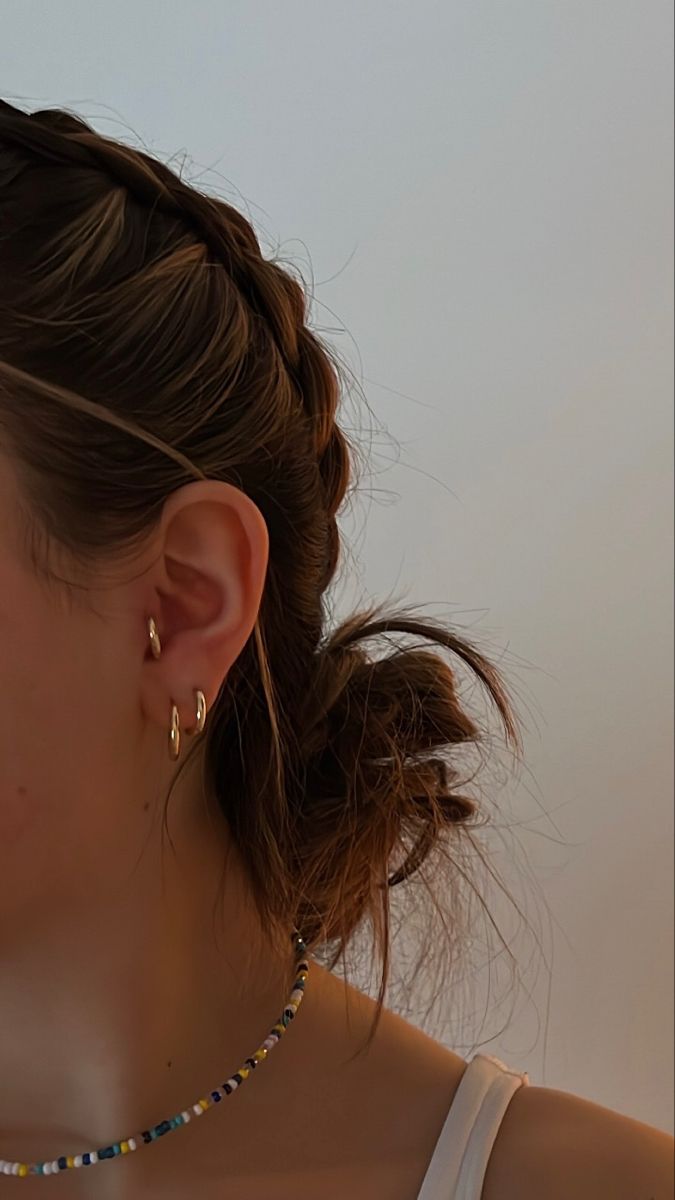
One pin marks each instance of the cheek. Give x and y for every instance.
(43, 714)
(22, 824)
(69, 721)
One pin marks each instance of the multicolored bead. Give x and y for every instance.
(72, 1161)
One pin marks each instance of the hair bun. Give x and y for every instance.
(376, 739)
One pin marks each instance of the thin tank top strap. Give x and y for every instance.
(460, 1158)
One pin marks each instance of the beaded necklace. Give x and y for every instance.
(146, 1136)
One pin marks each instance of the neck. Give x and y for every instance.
(126, 1001)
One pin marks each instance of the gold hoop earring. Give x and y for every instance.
(174, 733)
(174, 729)
(201, 713)
(155, 644)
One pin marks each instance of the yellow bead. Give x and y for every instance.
(124, 1147)
(260, 1054)
(23, 1169)
(204, 1105)
(278, 1029)
(244, 1072)
(70, 1161)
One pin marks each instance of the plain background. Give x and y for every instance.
(480, 192)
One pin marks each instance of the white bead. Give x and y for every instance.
(186, 1116)
(15, 1168)
(131, 1142)
(269, 1042)
(197, 1110)
(234, 1083)
(78, 1160)
(93, 1157)
(55, 1167)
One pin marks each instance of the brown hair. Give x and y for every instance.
(144, 342)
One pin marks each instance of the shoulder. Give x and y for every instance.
(558, 1145)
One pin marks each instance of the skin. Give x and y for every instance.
(120, 1001)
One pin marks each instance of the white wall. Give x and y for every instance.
(484, 191)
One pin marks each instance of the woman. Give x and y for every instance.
(200, 788)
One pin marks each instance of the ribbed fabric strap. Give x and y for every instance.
(460, 1158)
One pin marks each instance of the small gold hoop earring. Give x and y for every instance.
(201, 713)
(155, 644)
(174, 733)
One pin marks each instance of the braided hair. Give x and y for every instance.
(144, 341)
(62, 137)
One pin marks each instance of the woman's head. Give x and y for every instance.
(170, 447)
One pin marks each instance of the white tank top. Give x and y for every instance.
(460, 1158)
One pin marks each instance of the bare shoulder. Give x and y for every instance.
(559, 1145)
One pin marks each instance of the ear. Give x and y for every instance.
(204, 589)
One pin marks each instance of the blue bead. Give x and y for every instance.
(62, 1163)
(86, 1160)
